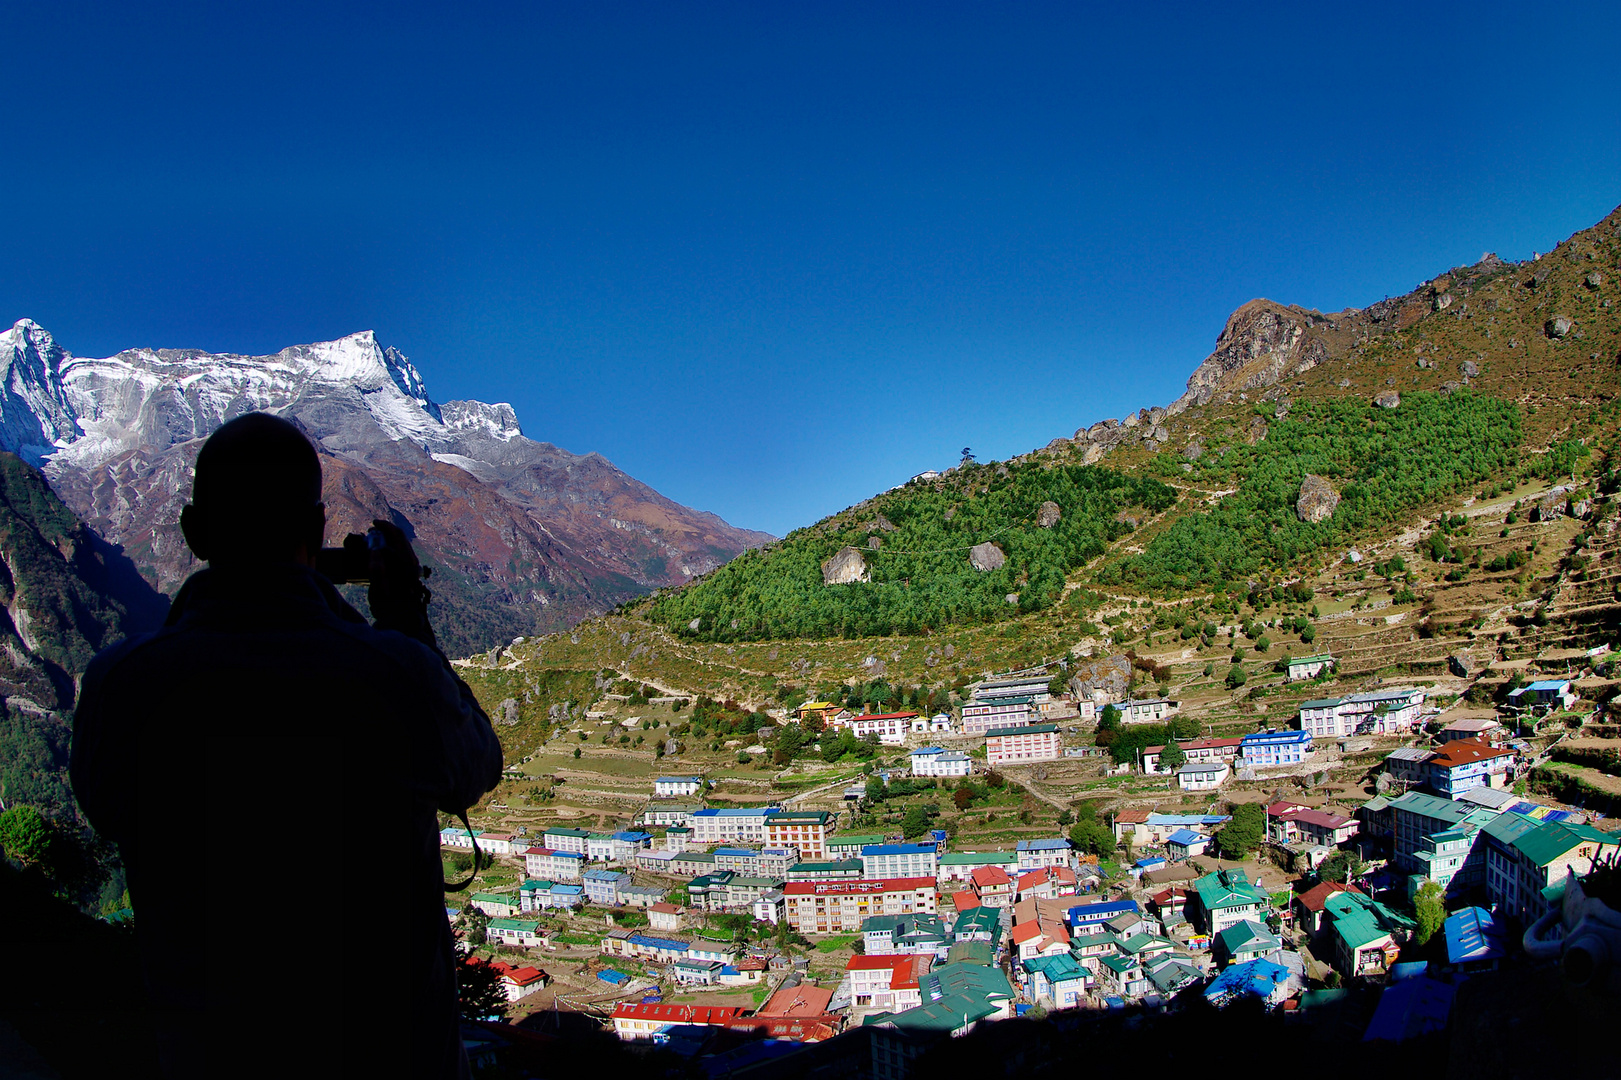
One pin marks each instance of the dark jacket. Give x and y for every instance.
(271, 768)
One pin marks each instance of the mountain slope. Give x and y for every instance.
(64, 595)
(1471, 377)
(523, 536)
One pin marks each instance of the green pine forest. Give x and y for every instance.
(1386, 463)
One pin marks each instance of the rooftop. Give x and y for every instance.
(1029, 729)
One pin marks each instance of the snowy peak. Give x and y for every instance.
(499, 421)
(35, 414)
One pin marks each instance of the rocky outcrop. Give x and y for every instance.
(845, 566)
(986, 556)
(1110, 674)
(1262, 343)
(1388, 400)
(1317, 499)
(1552, 505)
(1049, 515)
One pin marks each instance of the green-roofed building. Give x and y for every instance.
(1415, 816)
(1059, 979)
(1309, 667)
(1367, 934)
(979, 924)
(496, 905)
(1247, 940)
(849, 847)
(977, 981)
(1522, 863)
(954, 1015)
(1227, 897)
(971, 952)
(836, 870)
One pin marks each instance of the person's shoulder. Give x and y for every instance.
(118, 653)
(394, 648)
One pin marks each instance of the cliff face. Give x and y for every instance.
(1261, 343)
(524, 537)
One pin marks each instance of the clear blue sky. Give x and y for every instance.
(771, 258)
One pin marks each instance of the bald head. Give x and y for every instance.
(256, 494)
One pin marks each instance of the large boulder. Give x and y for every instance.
(1464, 665)
(1558, 326)
(845, 567)
(986, 556)
(1049, 515)
(1111, 674)
(1552, 505)
(1317, 499)
(1388, 400)
(1469, 369)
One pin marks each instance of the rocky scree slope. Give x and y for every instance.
(523, 536)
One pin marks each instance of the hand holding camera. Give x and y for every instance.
(384, 560)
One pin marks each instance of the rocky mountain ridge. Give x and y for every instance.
(524, 536)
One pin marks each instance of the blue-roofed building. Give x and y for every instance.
(742, 860)
(899, 860)
(1544, 695)
(1475, 942)
(1272, 983)
(1185, 843)
(602, 886)
(1089, 918)
(1037, 854)
(1410, 1008)
(1266, 749)
(628, 842)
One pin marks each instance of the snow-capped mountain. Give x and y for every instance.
(526, 536)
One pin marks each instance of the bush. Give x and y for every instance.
(1243, 834)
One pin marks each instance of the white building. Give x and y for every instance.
(940, 724)
(978, 717)
(726, 826)
(934, 761)
(899, 861)
(1018, 745)
(671, 787)
(891, 728)
(1202, 776)
(1395, 711)
(1148, 710)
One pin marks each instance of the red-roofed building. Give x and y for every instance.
(642, 1021)
(1127, 823)
(515, 980)
(887, 982)
(1198, 751)
(840, 906)
(1292, 823)
(1046, 883)
(803, 1000)
(664, 916)
(891, 728)
(1039, 937)
(1167, 901)
(993, 887)
(805, 1029)
(1464, 764)
(966, 900)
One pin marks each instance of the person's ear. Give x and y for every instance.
(194, 527)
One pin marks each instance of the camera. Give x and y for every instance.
(351, 563)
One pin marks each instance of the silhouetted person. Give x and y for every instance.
(271, 768)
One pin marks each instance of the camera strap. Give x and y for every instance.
(458, 886)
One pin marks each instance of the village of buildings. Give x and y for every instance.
(935, 938)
